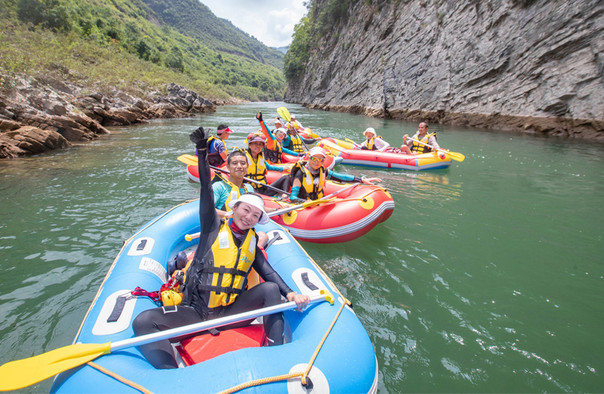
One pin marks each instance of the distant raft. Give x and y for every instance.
(368, 158)
(345, 360)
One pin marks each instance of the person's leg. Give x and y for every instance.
(260, 296)
(160, 353)
(405, 149)
(282, 183)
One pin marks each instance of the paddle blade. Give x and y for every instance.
(17, 374)
(190, 160)
(284, 113)
(456, 156)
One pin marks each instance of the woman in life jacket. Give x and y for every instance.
(257, 166)
(308, 177)
(413, 147)
(373, 142)
(226, 252)
(274, 141)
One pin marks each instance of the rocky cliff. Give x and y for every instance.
(42, 115)
(525, 65)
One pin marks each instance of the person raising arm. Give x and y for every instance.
(274, 141)
(222, 243)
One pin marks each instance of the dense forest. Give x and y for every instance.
(318, 22)
(136, 44)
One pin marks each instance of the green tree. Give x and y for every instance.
(51, 14)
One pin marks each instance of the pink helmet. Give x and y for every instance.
(256, 137)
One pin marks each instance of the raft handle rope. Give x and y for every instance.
(119, 378)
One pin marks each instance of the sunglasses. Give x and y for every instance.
(316, 158)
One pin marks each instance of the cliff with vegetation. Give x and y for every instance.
(535, 66)
(70, 68)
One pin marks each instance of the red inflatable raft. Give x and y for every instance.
(351, 213)
(369, 158)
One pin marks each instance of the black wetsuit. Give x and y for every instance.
(194, 306)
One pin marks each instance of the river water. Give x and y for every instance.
(488, 277)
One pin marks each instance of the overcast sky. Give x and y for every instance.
(270, 21)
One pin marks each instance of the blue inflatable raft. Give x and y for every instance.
(345, 359)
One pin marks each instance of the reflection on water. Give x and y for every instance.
(487, 277)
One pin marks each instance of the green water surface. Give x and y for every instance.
(488, 277)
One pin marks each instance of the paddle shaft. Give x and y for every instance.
(214, 323)
(193, 160)
(309, 203)
(301, 139)
(190, 237)
(423, 143)
(251, 180)
(22, 373)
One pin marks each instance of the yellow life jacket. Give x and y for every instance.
(231, 266)
(233, 195)
(297, 143)
(419, 148)
(370, 143)
(256, 169)
(313, 185)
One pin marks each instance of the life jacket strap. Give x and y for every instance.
(221, 289)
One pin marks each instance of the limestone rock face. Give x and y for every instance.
(535, 66)
(46, 114)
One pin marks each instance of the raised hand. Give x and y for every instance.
(200, 138)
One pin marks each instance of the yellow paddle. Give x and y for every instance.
(17, 374)
(190, 160)
(453, 155)
(284, 113)
(306, 204)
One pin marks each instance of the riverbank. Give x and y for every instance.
(43, 114)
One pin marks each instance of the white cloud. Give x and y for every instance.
(270, 21)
